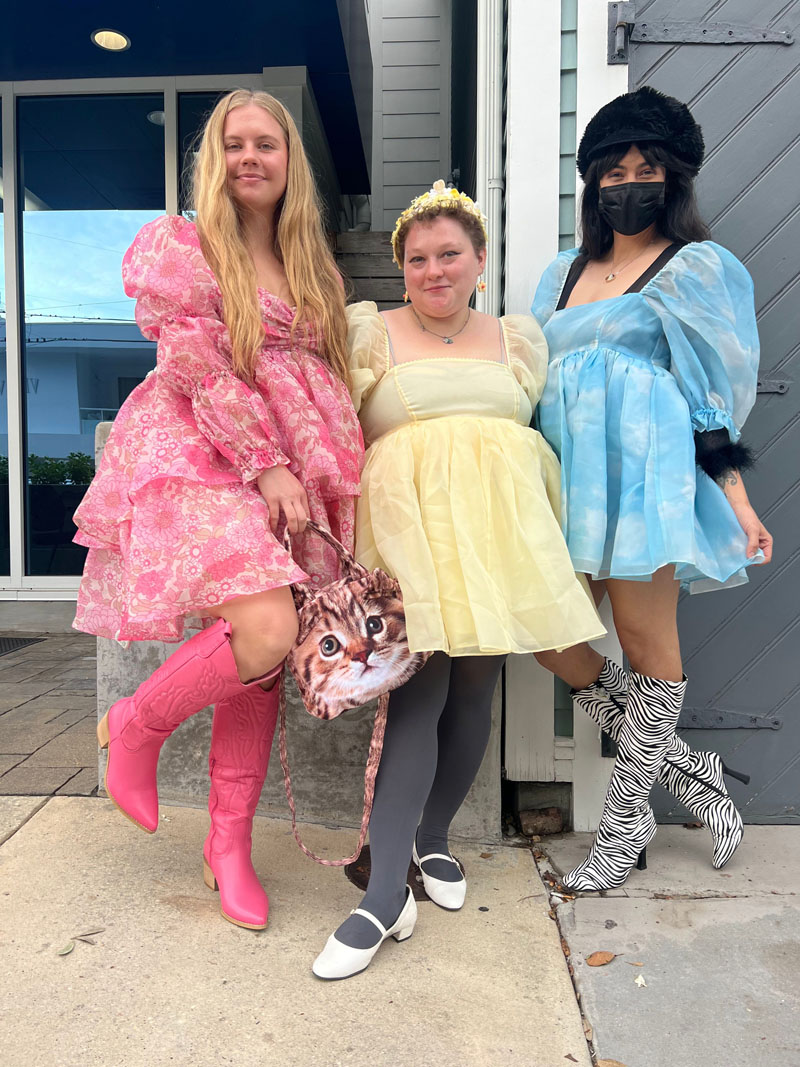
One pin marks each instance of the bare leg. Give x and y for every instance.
(264, 628)
(645, 617)
(580, 665)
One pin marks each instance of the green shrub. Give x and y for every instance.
(80, 468)
(76, 469)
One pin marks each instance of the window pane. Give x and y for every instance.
(91, 174)
(5, 554)
(193, 110)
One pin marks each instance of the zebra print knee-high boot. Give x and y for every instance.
(627, 824)
(696, 779)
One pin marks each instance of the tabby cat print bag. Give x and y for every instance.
(351, 647)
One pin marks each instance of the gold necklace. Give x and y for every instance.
(446, 340)
(610, 277)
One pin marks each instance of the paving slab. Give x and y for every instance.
(717, 952)
(15, 811)
(84, 784)
(679, 862)
(23, 780)
(169, 982)
(21, 673)
(721, 981)
(74, 747)
(20, 737)
(56, 702)
(16, 693)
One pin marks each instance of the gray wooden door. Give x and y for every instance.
(741, 647)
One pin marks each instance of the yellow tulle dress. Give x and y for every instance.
(460, 496)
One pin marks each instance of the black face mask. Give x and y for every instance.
(630, 208)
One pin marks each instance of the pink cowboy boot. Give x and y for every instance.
(133, 730)
(241, 739)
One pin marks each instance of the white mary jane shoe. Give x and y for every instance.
(449, 895)
(338, 960)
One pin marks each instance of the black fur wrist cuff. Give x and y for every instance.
(716, 455)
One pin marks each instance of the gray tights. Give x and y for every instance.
(437, 730)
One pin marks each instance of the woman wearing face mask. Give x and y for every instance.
(653, 363)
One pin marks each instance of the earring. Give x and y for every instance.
(481, 286)
(405, 297)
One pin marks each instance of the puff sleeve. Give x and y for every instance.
(527, 353)
(367, 349)
(550, 285)
(178, 305)
(704, 299)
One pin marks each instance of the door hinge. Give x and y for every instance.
(771, 385)
(704, 719)
(624, 27)
(717, 719)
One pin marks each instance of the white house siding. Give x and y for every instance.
(411, 137)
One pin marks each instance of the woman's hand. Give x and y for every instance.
(757, 534)
(283, 492)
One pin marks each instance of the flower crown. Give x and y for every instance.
(438, 195)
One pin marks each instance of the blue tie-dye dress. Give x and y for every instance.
(629, 381)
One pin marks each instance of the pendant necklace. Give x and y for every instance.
(610, 277)
(448, 340)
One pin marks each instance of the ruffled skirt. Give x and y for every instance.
(633, 498)
(172, 531)
(463, 512)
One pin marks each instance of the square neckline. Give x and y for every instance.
(393, 364)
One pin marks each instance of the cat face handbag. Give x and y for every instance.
(351, 647)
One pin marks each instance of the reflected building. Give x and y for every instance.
(85, 161)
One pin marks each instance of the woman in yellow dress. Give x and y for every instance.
(460, 501)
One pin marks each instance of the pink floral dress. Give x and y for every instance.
(173, 520)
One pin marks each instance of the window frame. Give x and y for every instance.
(17, 585)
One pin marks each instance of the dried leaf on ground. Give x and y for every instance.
(65, 951)
(486, 855)
(588, 1032)
(639, 980)
(565, 948)
(89, 933)
(600, 959)
(631, 963)
(609, 1063)
(569, 1056)
(86, 940)
(693, 826)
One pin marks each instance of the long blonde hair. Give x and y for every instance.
(299, 243)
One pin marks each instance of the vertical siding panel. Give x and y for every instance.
(411, 46)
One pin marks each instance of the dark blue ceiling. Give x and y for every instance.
(50, 39)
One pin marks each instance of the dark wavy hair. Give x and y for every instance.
(678, 220)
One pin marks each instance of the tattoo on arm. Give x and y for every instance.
(732, 478)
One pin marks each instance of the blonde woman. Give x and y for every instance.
(244, 428)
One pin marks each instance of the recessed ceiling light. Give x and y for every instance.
(111, 40)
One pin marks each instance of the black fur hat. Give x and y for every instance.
(644, 116)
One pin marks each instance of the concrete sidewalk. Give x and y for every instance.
(170, 982)
(706, 961)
